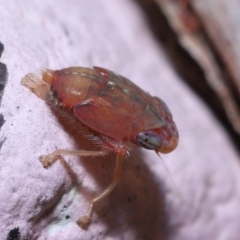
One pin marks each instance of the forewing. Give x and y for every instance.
(103, 117)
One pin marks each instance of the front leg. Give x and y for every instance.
(49, 159)
(84, 221)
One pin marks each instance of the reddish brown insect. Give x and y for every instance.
(114, 109)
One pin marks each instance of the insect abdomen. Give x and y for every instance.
(73, 85)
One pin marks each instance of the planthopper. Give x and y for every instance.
(115, 110)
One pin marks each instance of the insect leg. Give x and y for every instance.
(49, 159)
(83, 221)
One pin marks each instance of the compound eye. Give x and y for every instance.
(149, 140)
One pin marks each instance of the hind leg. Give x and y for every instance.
(49, 159)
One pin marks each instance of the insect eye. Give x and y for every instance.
(149, 140)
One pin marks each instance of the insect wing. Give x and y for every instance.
(102, 117)
(120, 109)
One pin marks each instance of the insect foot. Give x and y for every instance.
(83, 222)
(48, 160)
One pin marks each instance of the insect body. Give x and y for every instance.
(115, 109)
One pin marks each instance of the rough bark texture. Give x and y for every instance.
(208, 31)
(36, 203)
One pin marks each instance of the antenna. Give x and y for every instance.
(179, 194)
